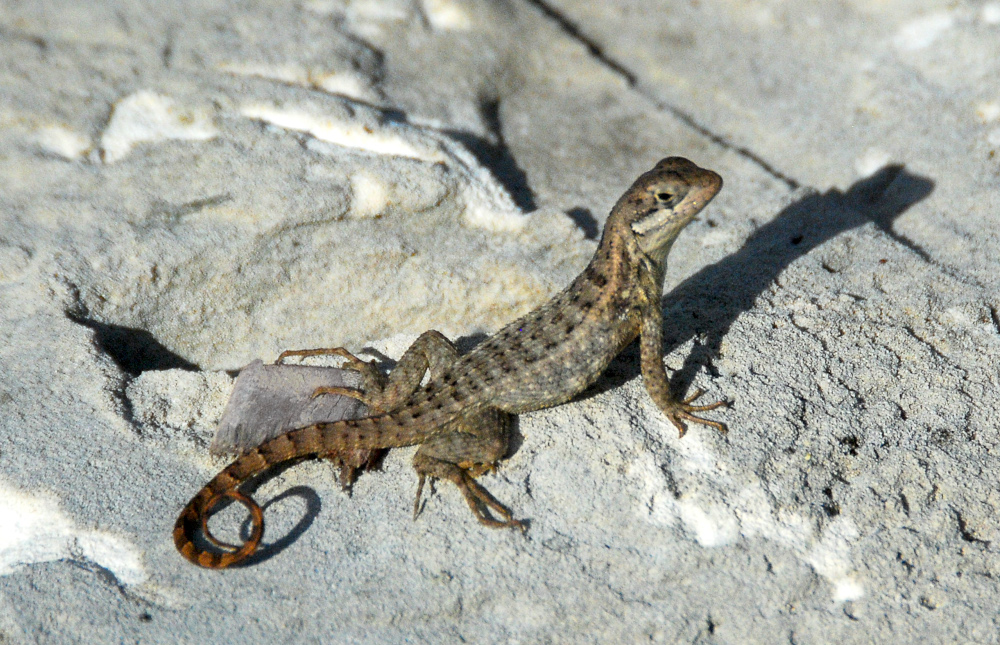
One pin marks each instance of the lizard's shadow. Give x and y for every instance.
(705, 305)
(268, 551)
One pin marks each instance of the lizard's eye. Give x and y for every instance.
(664, 197)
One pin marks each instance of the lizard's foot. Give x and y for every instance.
(322, 351)
(353, 362)
(351, 392)
(677, 411)
(372, 380)
(477, 497)
(351, 462)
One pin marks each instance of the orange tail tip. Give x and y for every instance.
(195, 516)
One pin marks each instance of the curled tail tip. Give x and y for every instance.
(191, 519)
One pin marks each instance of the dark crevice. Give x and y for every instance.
(850, 444)
(593, 48)
(632, 79)
(108, 577)
(162, 212)
(830, 506)
(933, 350)
(967, 534)
(496, 156)
(167, 51)
(721, 141)
(105, 574)
(134, 350)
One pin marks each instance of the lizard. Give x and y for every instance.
(460, 417)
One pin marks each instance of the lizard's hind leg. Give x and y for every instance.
(464, 450)
(466, 447)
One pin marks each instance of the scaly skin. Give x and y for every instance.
(460, 417)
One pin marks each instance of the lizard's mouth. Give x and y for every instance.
(661, 217)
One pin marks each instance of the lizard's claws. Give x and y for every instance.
(325, 351)
(351, 392)
(683, 410)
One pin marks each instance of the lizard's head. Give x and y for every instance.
(663, 201)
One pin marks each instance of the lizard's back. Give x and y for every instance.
(547, 356)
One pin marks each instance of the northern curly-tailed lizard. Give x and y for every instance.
(460, 417)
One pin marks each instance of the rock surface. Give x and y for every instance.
(187, 187)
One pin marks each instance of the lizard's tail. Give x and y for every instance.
(318, 439)
(195, 514)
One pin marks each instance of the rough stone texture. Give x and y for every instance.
(185, 187)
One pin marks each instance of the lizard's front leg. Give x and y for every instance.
(654, 374)
(372, 380)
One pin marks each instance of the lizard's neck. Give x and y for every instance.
(619, 253)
